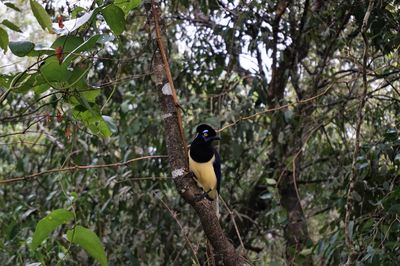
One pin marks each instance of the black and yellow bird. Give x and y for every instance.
(204, 161)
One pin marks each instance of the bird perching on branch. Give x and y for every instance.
(204, 161)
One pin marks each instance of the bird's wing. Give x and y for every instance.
(217, 169)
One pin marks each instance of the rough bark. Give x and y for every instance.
(288, 137)
(286, 145)
(176, 148)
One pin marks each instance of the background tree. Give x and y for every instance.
(305, 94)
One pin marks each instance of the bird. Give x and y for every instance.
(205, 162)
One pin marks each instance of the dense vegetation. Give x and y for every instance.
(305, 95)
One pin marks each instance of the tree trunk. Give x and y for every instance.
(176, 145)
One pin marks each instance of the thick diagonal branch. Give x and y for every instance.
(176, 146)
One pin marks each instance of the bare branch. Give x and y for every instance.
(78, 167)
(360, 116)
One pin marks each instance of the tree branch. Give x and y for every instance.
(360, 116)
(176, 145)
(77, 167)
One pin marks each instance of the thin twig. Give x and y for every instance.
(173, 215)
(144, 178)
(234, 222)
(275, 109)
(353, 178)
(78, 167)
(294, 162)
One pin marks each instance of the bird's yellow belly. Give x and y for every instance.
(205, 175)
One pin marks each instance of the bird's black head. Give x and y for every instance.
(206, 133)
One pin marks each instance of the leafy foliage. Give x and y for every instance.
(89, 241)
(46, 225)
(41, 15)
(83, 96)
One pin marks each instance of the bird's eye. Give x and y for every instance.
(205, 134)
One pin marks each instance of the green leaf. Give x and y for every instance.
(27, 82)
(78, 78)
(53, 71)
(40, 88)
(22, 48)
(89, 114)
(76, 11)
(3, 39)
(127, 5)
(41, 15)
(395, 209)
(48, 224)
(89, 241)
(38, 51)
(110, 123)
(11, 25)
(85, 46)
(12, 6)
(5, 80)
(21, 82)
(25, 48)
(90, 95)
(68, 43)
(114, 17)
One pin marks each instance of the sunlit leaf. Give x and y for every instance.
(76, 11)
(127, 5)
(3, 39)
(89, 241)
(110, 123)
(88, 114)
(48, 224)
(114, 17)
(12, 6)
(11, 25)
(41, 88)
(41, 15)
(90, 95)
